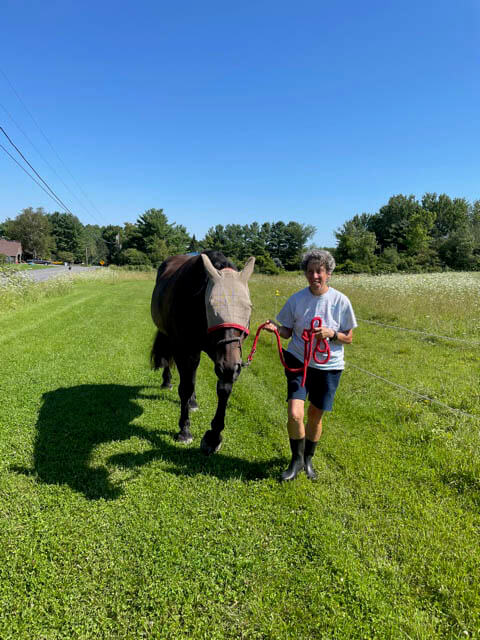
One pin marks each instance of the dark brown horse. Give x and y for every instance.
(201, 303)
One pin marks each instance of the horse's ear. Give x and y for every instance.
(209, 268)
(247, 270)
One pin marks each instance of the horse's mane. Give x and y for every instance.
(187, 273)
(219, 261)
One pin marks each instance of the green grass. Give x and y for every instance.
(110, 529)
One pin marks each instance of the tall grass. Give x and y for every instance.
(18, 289)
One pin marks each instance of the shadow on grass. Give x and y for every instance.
(465, 483)
(74, 421)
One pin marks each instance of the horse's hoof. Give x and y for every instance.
(207, 448)
(183, 439)
(167, 386)
(193, 407)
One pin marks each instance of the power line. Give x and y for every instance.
(52, 168)
(50, 191)
(54, 151)
(53, 197)
(35, 171)
(29, 175)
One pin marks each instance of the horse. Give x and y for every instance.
(200, 303)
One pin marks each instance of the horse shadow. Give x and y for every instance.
(74, 421)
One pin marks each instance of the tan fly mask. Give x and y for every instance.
(227, 297)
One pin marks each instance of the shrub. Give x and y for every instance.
(134, 257)
(66, 256)
(352, 267)
(265, 264)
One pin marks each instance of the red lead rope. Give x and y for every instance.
(308, 350)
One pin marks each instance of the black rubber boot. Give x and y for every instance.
(297, 463)
(309, 453)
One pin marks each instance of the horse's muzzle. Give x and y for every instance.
(228, 373)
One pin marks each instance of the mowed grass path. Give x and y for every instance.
(110, 529)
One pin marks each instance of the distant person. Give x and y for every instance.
(338, 322)
(65, 265)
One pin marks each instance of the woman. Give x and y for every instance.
(338, 322)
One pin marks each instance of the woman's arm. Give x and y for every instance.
(345, 337)
(284, 332)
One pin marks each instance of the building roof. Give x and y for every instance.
(10, 247)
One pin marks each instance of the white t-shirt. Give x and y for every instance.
(336, 312)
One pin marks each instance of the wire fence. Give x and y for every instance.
(429, 399)
(424, 333)
(421, 396)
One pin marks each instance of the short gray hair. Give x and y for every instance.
(325, 259)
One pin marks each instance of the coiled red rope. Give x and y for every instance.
(309, 351)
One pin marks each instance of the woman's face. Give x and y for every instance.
(317, 278)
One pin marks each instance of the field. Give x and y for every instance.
(112, 530)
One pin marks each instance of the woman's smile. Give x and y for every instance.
(317, 278)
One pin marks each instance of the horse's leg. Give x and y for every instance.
(167, 378)
(192, 403)
(187, 367)
(212, 440)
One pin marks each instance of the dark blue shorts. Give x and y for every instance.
(320, 386)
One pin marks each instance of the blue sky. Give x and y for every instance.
(224, 112)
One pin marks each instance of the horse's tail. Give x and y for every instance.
(161, 355)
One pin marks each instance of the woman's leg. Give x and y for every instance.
(313, 433)
(296, 412)
(296, 433)
(314, 424)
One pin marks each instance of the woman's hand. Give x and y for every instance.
(270, 326)
(283, 332)
(323, 332)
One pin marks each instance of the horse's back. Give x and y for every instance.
(163, 293)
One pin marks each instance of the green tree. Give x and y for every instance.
(449, 215)
(475, 219)
(255, 242)
(392, 224)
(134, 257)
(93, 246)
(457, 251)
(158, 251)
(265, 264)
(417, 235)
(132, 237)
(112, 236)
(67, 233)
(32, 228)
(216, 239)
(65, 256)
(153, 226)
(287, 242)
(356, 242)
(194, 246)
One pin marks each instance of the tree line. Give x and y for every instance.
(431, 234)
(152, 238)
(434, 233)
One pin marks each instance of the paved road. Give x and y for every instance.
(40, 275)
